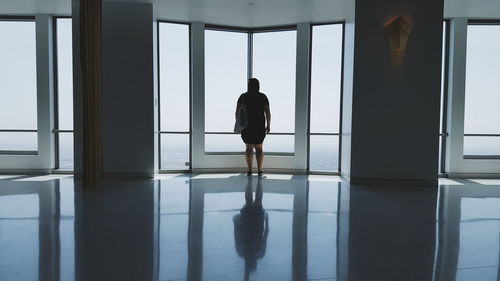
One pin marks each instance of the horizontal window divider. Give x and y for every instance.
(174, 133)
(328, 173)
(481, 135)
(493, 157)
(232, 133)
(167, 171)
(17, 131)
(62, 131)
(324, 134)
(18, 152)
(243, 153)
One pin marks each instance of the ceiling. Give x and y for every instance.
(250, 13)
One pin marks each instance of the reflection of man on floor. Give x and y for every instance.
(251, 227)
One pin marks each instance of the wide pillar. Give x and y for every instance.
(128, 90)
(392, 109)
(115, 92)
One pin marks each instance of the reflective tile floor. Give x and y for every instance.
(231, 227)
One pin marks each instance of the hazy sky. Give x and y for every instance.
(225, 79)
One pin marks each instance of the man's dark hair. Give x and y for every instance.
(253, 85)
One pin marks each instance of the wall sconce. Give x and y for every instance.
(398, 31)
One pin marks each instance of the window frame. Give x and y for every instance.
(56, 131)
(250, 32)
(20, 152)
(160, 132)
(443, 134)
(479, 22)
(339, 133)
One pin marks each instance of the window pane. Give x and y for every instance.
(326, 75)
(443, 67)
(274, 56)
(279, 143)
(234, 143)
(18, 93)
(224, 143)
(225, 77)
(18, 141)
(482, 94)
(440, 153)
(324, 153)
(481, 145)
(174, 76)
(66, 151)
(64, 74)
(174, 152)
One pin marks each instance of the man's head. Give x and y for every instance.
(253, 85)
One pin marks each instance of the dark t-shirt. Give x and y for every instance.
(255, 108)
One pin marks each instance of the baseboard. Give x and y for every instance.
(26, 172)
(128, 176)
(393, 182)
(243, 170)
(474, 175)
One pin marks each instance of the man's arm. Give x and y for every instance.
(237, 110)
(267, 112)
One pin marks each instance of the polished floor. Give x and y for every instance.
(232, 227)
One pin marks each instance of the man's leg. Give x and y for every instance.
(259, 155)
(249, 155)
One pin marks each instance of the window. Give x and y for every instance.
(64, 95)
(229, 62)
(18, 89)
(442, 119)
(174, 111)
(325, 97)
(225, 80)
(482, 92)
(274, 59)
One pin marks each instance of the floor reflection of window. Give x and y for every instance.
(174, 218)
(19, 244)
(67, 229)
(322, 230)
(479, 239)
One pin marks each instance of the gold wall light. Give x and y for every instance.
(397, 32)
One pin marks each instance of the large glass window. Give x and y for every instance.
(174, 96)
(482, 91)
(326, 75)
(442, 119)
(64, 100)
(226, 64)
(229, 62)
(18, 91)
